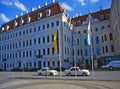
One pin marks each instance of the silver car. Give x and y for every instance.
(47, 71)
(112, 65)
(77, 71)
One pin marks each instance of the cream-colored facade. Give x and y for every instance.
(115, 25)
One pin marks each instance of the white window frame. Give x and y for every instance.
(39, 15)
(48, 12)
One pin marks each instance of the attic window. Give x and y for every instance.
(3, 28)
(39, 15)
(7, 28)
(21, 21)
(102, 17)
(107, 16)
(28, 19)
(15, 24)
(48, 12)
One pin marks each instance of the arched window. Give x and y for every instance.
(102, 17)
(97, 40)
(96, 29)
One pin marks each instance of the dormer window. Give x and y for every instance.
(15, 24)
(48, 12)
(78, 23)
(3, 28)
(21, 21)
(7, 27)
(102, 17)
(39, 15)
(28, 19)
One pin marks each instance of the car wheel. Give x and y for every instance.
(40, 74)
(69, 74)
(51, 74)
(111, 68)
(84, 74)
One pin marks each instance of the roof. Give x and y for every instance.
(94, 15)
(55, 8)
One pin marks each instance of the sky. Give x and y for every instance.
(10, 8)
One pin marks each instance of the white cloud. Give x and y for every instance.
(67, 7)
(20, 6)
(94, 1)
(82, 2)
(7, 3)
(4, 18)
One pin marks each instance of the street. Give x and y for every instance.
(30, 80)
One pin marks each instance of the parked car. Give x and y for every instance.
(47, 71)
(112, 65)
(77, 71)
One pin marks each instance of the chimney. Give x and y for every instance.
(38, 6)
(89, 11)
(21, 14)
(26, 12)
(32, 9)
(16, 16)
(100, 8)
(45, 3)
(79, 14)
(53, 1)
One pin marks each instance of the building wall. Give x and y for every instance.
(115, 24)
(101, 42)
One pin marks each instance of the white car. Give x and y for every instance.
(77, 71)
(47, 71)
(112, 65)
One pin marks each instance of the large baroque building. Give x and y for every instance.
(28, 40)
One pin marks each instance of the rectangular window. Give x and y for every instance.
(43, 39)
(19, 54)
(106, 47)
(38, 28)
(105, 37)
(102, 39)
(30, 53)
(52, 24)
(26, 53)
(47, 38)
(43, 27)
(34, 29)
(38, 40)
(52, 38)
(43, 51)
(57, 23)
(48, 25)
(39, 53)
(103, 50)
(34, 41)
(23, 54)
(30, 42)
(27, 43)
(23, 43)
(53, 50)
(48, 51)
